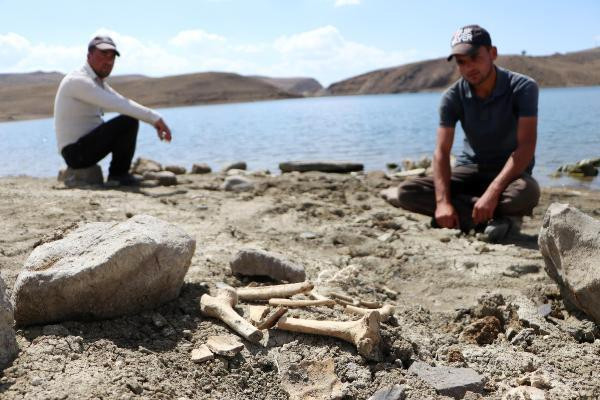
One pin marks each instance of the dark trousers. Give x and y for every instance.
(117, 136)
(467, 184)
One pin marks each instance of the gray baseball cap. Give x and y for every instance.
(467, 40)
(103, 43)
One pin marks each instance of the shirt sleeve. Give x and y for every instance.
(526, 96)
(448, 108)
(109, 100)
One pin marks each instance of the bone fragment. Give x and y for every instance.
(316, 296)
(202, 354)
(364, 333)
(221, 307)
(385, 312)
(272, 319)
(257, 313)
(269, 292)
(370, 304)
(291, 303)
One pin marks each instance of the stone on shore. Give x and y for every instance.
(201, 169)
(525, 393)
(103, 270)
(234, 165)
(448, 381)
(73, 177)
(176, 169)
(587, 167)
(570, 244)
(143, 165)
(237, 184)
(8, 342)
(252, 262)
(320, 166)
(164, 178)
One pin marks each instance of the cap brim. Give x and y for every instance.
(463, 49)
(107, 46)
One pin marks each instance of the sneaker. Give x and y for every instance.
(122, 180)
(498, 228)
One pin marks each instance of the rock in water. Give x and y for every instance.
(8, 343)
(201, 169)
(251, 262)
(103, 270)
(81, 176)
(320, 166)
(569, 241)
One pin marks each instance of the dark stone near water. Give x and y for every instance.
(176, 169)
(201, 169)
(234, 165)
(320, 166)
(164, 178)
(448, 381)
(81, 176)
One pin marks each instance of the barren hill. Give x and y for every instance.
(27, 96)
(572, 69)
(300, 86)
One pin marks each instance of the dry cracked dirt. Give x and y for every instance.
(457, 298)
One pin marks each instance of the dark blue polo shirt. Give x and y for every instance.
(490, 124)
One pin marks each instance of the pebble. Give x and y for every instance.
(227, 346)
(524, 337)
(202, 354)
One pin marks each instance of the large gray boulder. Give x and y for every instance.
(72, 177)
(103, 270)
(320, 166)
(8, 343)
(569, 241)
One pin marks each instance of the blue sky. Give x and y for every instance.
(326, 39)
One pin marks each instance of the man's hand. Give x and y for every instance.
(162, 130)
(484, 208)
(446, 216)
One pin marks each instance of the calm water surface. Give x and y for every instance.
(373, 130)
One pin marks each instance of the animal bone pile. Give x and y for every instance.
(364, 333)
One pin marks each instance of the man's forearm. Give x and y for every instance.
(441, 177)
(514, 167)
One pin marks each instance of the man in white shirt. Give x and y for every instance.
(82, 136)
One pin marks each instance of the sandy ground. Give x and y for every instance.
(349, 240)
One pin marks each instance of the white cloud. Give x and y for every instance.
(195, 36)
(341, 3)
(323, 53)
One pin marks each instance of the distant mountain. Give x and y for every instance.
(580, 68)
(28, 96)
(300, 86)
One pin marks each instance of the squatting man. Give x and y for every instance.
(83, 96)
(491, 187)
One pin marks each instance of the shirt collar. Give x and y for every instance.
(92, 74)
(499, 87)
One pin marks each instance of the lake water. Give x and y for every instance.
(373, 130)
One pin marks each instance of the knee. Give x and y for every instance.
(130, 123)
(521, 197)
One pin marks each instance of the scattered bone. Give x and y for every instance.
(385, 312)
(316, 296)
(202, 354)
(364, 333)
(257, 313)
(272, 319)
(227, 346)
(269, 292)
(221, 307)
(370, 304)
(301, 303)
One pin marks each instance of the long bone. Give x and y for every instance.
(221, 307)
(269, 292)
(364, 333)
(385, 312)
(291, 303)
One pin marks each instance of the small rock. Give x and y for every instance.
(134, 386)
(528, 314)
(202, 354)
(237, 184)
(72, 177)
(395, 392)
(143, 165)
(227, 346)
(176, 169)
(386, 236)
(524, 393)
(448, 381)
(545, 309)
(8, 342)
(309, 235)
(164, 178)
(252, 262)
(201, 169)
(517, 270)
(234, 165)
(524, 337)
(482, 331)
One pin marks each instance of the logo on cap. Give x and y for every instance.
(462, 35)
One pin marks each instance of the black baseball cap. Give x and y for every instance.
(103, 43)
(467, 40)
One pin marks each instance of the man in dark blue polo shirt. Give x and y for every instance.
(491, 186)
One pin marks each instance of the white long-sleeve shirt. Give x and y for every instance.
(80, 102)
